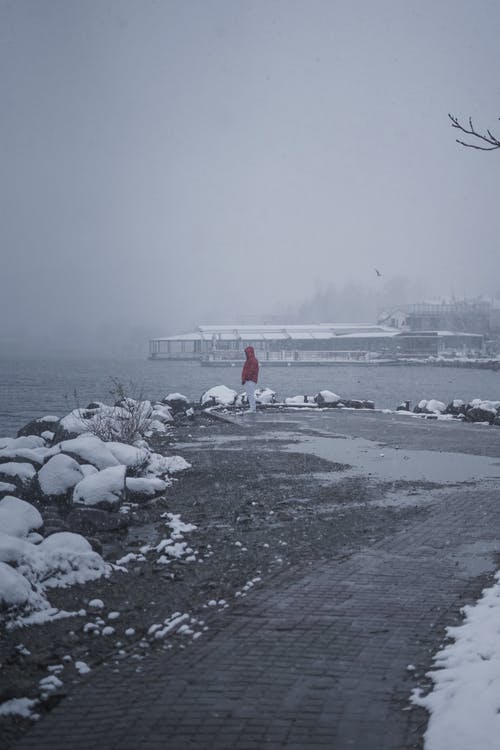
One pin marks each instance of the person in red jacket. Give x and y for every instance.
(250, 376)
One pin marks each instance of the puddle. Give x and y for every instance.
(390, 464)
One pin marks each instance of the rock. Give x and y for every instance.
(177, 402)
(142, 488)
(93, 520)
(480, 414)
(456, 408)
(106, 488)
(357, 404)
(404, 406)
(328, 399)
(220, 395)
(58, 477)
(38, 426)
(20, 455)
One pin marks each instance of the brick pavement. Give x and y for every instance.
(315, 659)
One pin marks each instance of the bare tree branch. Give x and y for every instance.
(492, 141)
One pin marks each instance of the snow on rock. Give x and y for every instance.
(15, 589)
(19, 707)
(176, 397)
(128, 455)
(90, 449)
(327, 398)
(160, 465)
(162, 413)
(300, 400)
(59, 475)
(21, 455)
(13, 548)
(73, 423)
(219, 395)
(435, 406)
(6, 488)
(26, 441)
(64, 559)
(464, 702)
(107, 487)
(17, 517)
(145, 487)
(19, 472)
(265, 396)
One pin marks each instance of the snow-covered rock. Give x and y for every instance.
(13, 548)
(128, 455)
(300, 400)
(161, 465)
(162, 413)
(265, 396)
(21, 455)
(15, 590)
(144, 487)
(27, 441)
(219, 395)
(17, 517)
(327, 398)
(176, 401)
(107, 487)
(89, 449)
(59, 475)
(17, 472)
(39, 426)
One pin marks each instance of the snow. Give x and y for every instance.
(265, 396)
(128, 455)
(465, 700)
(17, 517)
(176, 397)
(19, 707)
(6, 487)
(436, 406)
(15, 454)
(90, 450)
(28, 569)
(145, 486)
(22, 471)
(81, 667)
(329, 397)
(60, 474)
(221, 394)
(160, 465)
(107, 487)
(14, 588)
(96, 604)
(28, 441)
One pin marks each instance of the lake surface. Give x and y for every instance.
(31, 388)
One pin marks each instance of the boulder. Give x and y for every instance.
(104, 489)
(176, 401)
(328, 399)
(456, 408)
(219, 395)
(38, 426)
(59, 475)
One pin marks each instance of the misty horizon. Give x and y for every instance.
(174, 164)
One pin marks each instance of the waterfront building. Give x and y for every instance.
(312, 344)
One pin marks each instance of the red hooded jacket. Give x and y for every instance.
(250, 369)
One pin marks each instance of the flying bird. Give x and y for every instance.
(377, 272)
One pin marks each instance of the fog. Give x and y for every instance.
(166, 164)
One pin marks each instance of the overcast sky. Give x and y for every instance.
(167, 163)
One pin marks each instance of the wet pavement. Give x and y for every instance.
(323, 654)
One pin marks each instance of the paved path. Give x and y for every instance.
(316, 659)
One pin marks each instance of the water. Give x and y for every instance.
(31, 388)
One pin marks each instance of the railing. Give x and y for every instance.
(285, 355)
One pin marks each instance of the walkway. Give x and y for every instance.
(317, 658)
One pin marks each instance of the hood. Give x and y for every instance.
(249, 352)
